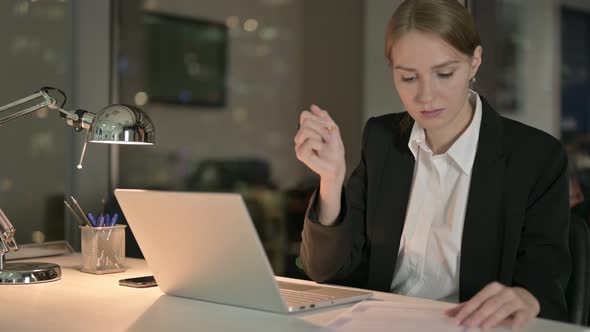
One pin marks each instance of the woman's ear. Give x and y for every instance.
(476, 60)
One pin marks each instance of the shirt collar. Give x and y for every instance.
(418, 140)
(464, 149)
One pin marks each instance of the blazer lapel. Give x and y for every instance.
(390, 211)
(483, 227)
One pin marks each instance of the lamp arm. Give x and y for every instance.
(7, 242)
(48, 102)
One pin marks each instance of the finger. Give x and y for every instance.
(322, 126)
(318, 125)
(454, 310)
(309, 156)
(323, 114)
(310, 115)
(307, 133)
(521, 318)
(501, 314)
(307, 149)
(476, 301)
(496, 304)
(326, 123)
(316, 110)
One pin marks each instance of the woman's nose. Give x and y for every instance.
(425, 92)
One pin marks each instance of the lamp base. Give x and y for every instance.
(29, 273)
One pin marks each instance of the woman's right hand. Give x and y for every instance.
(319, 146)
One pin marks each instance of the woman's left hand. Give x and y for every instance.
(496, 304)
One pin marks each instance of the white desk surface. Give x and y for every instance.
(86, 302)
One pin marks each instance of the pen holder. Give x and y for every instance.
(103, 249)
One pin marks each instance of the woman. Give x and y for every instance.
(450, 201)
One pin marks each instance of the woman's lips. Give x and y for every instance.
(433, 113)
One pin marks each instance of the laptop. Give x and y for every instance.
(204, 246)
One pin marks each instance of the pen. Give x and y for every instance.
(92, 220)
(114, 220)
(108, 220)
(79, 208)
(78, 219)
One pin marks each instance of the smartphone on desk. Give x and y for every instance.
(139, 282)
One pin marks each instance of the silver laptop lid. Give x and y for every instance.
(202, 246)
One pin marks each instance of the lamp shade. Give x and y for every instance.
(122, 124)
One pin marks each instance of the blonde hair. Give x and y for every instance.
(447, 19)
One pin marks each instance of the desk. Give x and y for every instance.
(86, 302)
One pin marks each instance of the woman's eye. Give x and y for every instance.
(408, 79)
(445, 75)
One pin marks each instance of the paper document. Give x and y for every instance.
(376, 316)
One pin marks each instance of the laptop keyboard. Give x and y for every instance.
(297, 298)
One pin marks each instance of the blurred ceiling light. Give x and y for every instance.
(141, 98)
(250, 25)
(6, 185)
(38, 237)
(240, 114)
(232, 22)
(21, 8)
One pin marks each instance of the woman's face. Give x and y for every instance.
(432, 80)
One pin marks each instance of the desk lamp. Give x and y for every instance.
(114, 124)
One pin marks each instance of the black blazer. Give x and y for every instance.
(516, 221)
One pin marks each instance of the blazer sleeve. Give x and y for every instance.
(332, 253)
(543, 262)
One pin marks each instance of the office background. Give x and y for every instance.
(281, 56)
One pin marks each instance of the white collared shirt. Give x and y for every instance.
(430, 246)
